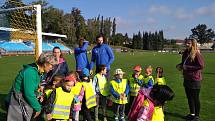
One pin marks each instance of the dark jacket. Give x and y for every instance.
(193, 68)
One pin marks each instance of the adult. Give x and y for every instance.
(192, 65)
(81, 55)
(102, 54)
(61, 68)
(22, 99)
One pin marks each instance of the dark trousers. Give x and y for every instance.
(101, 101)
(86, 111)
(118, 110)
(193, 100)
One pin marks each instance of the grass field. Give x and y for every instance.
(174, 110)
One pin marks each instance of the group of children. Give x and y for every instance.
(65, 97)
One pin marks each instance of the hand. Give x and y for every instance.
(49, 116)
(91, 72)
(179, 67)
(184, 67)
(136, 75)
(70, 119)
(37, 114)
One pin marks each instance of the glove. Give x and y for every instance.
(76, 99)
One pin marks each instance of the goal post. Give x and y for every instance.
(23, 23)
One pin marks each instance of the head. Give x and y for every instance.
(69, 82)
(102, 69)
(57, 52)
(191, 45)
(137, 69)
(119, 73)
(100, 39)
(46, 61)
(85, 74)
(81, 41)
(161, 93)
(159, 70)
(148, 70)
(57, 80)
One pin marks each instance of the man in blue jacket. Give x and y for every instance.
(102, 54)
(81, 55)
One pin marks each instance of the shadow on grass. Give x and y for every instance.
(177, 115)
(3, 114)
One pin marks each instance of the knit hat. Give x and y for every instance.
(71, 78)
(137, 68)
(85, 72)
(119, 71)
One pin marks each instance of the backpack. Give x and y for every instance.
(138, 104)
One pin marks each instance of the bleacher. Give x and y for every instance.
(9, 47)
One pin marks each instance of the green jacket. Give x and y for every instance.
(27, 82)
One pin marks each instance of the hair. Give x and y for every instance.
(194, 48)
(101, 35)
(81, 41)
(101, 67)
(46, 58)
(161, 93)
(56, 47)
(160, 69)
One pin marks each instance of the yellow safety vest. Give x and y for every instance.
(119, 88)
(160, 81)
(48, 92)
(134, 87)
(77, 88)
(62, 104)
(146, 80)
(90, 95)
(104, 86)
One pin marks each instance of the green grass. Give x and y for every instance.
(174, 110)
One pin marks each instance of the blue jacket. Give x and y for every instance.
(117, 95)
(102, 54)
(81, 56)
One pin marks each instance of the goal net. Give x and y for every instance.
(21, 22)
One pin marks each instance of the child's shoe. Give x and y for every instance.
(105, 119)
(190, 117)
(122, 119)
(116, 119)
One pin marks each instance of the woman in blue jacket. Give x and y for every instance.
(102, 54)
(81, 55)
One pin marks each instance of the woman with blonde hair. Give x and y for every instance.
(22, 101)
(192, 65)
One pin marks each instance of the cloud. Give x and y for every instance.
(151, 21)
(205, 10)
(159, 9)
(183, 14)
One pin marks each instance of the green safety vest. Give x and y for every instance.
(134, 87)
(104, 86)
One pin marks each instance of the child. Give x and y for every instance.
(160, 80)
(102, 88)
(148, 78)
(89, 100)
(60, 100)
(119, 91)
(135, 82)
(148, 104)
(56, 82)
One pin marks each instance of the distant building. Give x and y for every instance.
(179, 42)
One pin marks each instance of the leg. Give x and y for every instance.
(190, 100)
(97, 108)
(116, 111)
(104, 106)
(121, 112)
(196, 101)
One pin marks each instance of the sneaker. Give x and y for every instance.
(122, 119)
(196, 118)
(116, 119)
(105, 119)
(189, 117)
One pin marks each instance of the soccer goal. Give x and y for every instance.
(21, 22)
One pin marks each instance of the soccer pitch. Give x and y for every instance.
(174, 110)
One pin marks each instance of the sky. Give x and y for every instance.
(175, 17)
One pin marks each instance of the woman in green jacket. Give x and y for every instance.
(23, 101)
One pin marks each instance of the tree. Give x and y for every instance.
(202, 34)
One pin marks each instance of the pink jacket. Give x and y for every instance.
(77, 105)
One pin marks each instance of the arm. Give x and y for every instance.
(110, 54)
(149, 84)
(199, 63)
(93, 60)
(95, 84)
(114, 93)
(50, 102)
(127, 89)
(82, 49)
(30, 84)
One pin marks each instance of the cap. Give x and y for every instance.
(137, 68)
(71, 78)
(119, 71)
(85, 72)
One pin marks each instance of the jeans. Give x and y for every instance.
(100, 100)
(119, 110)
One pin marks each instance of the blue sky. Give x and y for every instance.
(174, 17)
